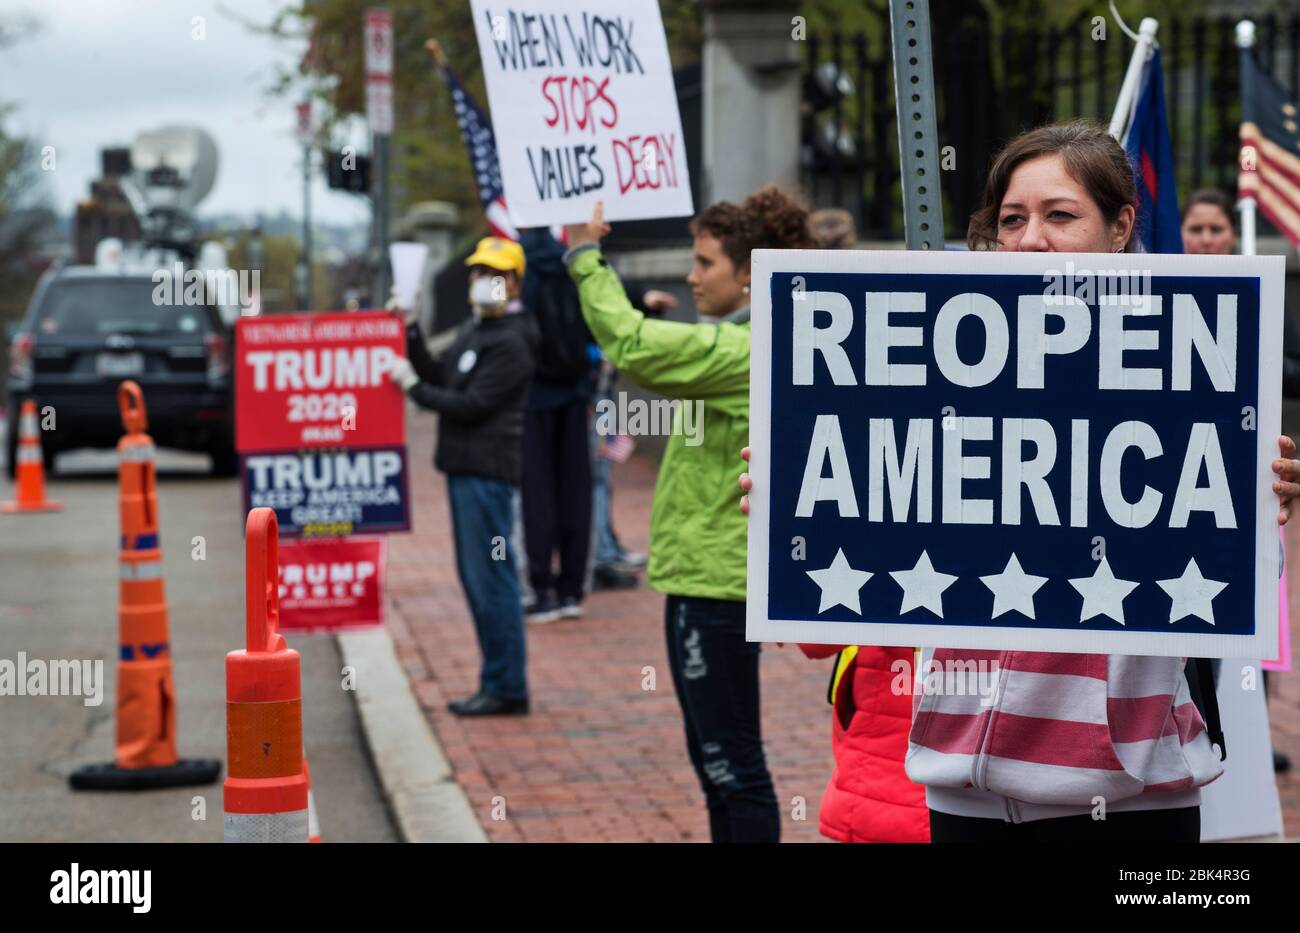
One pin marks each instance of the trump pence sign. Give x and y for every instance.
(583, 108)
(1049, 452)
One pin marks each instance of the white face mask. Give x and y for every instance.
(487, 296)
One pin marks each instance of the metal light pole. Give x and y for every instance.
(379, 114)
(305, 135)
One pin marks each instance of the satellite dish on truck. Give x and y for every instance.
(172, 169)
(181, 159)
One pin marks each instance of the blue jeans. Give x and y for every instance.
(608, 550)
(481, 520)
(715, 673)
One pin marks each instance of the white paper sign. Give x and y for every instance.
(408, 266)
(1243, 803)
(583, 108)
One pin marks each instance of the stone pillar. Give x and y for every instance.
(433, 223)
(752, 94)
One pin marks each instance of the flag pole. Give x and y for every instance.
(1246, 205)
(1128, 90)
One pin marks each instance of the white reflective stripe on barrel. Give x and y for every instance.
(141, 570)
(28, 454)
(313, 824)
(136, 453)
(27, 425)
(266, 827)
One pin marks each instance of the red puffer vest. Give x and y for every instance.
(869, 797)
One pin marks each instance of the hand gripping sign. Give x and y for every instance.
(1050, 452)
(583, 109)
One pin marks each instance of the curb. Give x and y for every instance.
(427, 803)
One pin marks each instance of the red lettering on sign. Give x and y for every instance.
(642, 162)
(579, 101)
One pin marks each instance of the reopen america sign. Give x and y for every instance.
(1050, 452)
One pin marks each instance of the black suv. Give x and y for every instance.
(86, 330)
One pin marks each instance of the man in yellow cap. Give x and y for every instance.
(478, 386)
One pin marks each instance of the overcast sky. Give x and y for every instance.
(99, 71)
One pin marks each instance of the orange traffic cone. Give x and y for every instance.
(145, 751)
(30, 467)
(266, 795)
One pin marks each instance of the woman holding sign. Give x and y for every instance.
(1027, 765)
(697, 542)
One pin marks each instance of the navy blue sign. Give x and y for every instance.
(1013, 453)
(330, 493)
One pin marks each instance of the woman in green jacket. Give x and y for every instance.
(697, 536)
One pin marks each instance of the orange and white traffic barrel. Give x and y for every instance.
(313, 824)
(266, 787)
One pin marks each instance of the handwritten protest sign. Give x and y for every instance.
(583, 109)
(1053, 452)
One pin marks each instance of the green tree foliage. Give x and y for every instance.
(429, 160)
(23, 219)
(279, 264)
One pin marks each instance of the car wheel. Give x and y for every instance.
(225, 462)
(48, 455)
(11, 448)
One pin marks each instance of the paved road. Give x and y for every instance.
(58, 599)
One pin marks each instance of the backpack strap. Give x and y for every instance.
(1200, 684)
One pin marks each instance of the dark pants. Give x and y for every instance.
(1130, 827)
(481, 520)
(557, 498)
(715, 673)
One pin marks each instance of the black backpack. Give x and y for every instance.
(1201, 685)
(562, 353)
(552, 298)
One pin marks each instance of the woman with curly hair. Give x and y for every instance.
(697, 539)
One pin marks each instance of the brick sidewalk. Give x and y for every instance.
(599, 758)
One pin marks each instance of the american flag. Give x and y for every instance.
(476, 131)
(1270, 148)
(617, 449)
(1152, 154)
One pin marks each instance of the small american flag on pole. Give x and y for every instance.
(618, 448)
(476, 131)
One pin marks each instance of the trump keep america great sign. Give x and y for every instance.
(1048, 452)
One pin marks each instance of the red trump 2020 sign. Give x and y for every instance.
(318, 380)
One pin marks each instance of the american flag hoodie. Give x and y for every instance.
(1061, 730)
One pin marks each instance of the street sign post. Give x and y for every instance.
(379, 114)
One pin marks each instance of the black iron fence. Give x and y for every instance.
(989, 86)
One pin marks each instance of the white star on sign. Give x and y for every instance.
(840, 584)
(923, 586)
(1013, 589)
(1103, 593)
(1192, 594)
